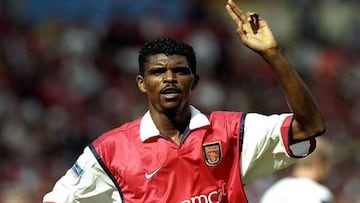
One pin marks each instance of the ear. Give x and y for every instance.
(140, 83)
(196, 81)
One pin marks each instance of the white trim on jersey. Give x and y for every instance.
(148, 128)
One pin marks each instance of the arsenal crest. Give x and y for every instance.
(212, 153)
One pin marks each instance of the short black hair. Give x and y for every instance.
(167, 46)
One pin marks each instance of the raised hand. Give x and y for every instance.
(252, 30)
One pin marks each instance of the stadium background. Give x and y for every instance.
(67, 73)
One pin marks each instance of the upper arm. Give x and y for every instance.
(85, 181)
(267, 145)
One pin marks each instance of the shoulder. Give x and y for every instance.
(126, 131)
(273, 118)
(225, 115)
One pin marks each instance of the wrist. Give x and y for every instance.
(270, 54)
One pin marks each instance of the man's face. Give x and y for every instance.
(167, 81)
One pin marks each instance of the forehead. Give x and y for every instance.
(163, 59)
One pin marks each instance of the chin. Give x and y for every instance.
(171, 107)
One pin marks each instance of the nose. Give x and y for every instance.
(170, 76)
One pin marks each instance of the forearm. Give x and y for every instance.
(308, 120)
(255, 33)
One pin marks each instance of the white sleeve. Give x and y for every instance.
(85, 181)
(266, 146)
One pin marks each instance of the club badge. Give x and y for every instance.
(212, 153)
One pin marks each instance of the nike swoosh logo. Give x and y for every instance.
(150, 175)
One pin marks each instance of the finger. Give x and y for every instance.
(238, 12)
(234, 17)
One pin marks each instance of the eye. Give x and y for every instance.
(157, 71)
(182, 70)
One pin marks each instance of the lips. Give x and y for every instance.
(170, 90)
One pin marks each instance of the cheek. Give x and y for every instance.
(190, 84)
(193, 85)
(187, 86)
(151, 85)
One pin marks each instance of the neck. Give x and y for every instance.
(173, 124)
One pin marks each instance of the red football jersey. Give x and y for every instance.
(217, 155)
(204, 168)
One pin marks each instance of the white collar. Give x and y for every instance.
(148, 128)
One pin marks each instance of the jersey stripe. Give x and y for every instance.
(102, 164)
(241, 138)
(241, 132)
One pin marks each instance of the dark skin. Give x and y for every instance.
(168, 82)
(255, 33)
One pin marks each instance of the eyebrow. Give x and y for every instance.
(174, 69)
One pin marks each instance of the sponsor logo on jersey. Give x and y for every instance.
(76, 170)
(215, 196)
(212, 153)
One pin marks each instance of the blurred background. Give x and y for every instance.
(67, 74)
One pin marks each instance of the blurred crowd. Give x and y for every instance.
(67, 74)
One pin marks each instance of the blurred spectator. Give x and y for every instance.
(65, 77)
(306, 181)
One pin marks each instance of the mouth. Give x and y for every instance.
(170, 92)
